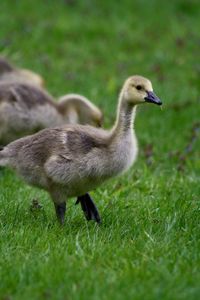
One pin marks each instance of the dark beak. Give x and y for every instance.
(152, 98)
(98, 123)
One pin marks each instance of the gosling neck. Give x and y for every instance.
(125, 118)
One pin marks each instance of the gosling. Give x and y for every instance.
(9, 73)
(71, 160)
(25, 109)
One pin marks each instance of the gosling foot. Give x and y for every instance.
(60, 211)
(89, 208)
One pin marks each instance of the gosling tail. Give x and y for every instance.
(4, 159)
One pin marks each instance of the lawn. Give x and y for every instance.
(148, 245)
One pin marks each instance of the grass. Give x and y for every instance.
(149, 242)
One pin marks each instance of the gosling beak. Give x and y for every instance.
(99, 123)
(152, 98)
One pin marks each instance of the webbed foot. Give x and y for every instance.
(89, 208)
(60, 211)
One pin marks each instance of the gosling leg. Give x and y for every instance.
(89, 208)
(60, 211)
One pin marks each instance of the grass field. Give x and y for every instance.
(148, 246)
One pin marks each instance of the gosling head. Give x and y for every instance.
(90, 115)
(78, 109)
(31, 77)
(138, 89)
(5, 66)
(96, 118)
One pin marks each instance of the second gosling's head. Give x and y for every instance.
(78, 109)
(138, 89)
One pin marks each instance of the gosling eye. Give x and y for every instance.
(138, 87)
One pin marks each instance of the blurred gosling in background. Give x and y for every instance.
(26, 109)
(9, 73)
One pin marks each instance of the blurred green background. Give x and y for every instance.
(149, 243)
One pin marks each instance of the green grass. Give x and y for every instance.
(148, 246)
